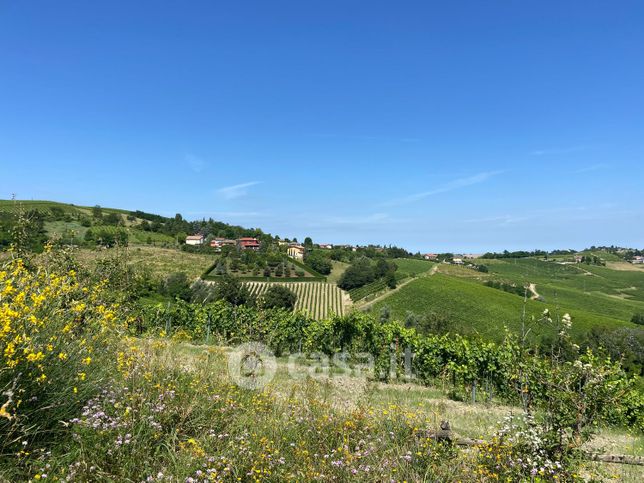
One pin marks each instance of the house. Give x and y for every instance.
(458, 261)
(638, 260)
(296, 252)
(326, 246)
(221, 242)
(578, 258)
(194, 240)
(430, 256)
(248, 243)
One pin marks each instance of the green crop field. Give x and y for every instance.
(411, 266)
(317, 298)
(473, 306)
(43, 206)
(599, 290)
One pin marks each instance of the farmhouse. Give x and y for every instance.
(220, 242)
(578, 258)
(326, 246)
(458, 261)
(296, 252)
(638, 260)
(248, 243)
(430, 256)
(194, 240)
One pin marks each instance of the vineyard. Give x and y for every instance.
(317, 298)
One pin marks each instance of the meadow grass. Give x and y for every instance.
(160, 261)
(410, 267)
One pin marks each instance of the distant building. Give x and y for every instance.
(194, 240)
(248, 243)
(578, 258)
(296, 252)
(221, 242)
(430, 256)
(638, 260)
(326, 246)
(458, 261)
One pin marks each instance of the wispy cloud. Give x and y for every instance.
(499, 220)
(589, 169)
(451, 186)
(367, 137)
(195, 163)
(552, 151)
(237, 190)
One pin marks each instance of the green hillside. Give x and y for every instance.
(472, 306)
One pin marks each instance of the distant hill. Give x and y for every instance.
(79, 224)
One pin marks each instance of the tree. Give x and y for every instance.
(390, 278)
(233, 291)
(278, 296)
(359, 273)
(308, 242)
(320, 264)
(97, 212)
(176, 285)
(383, 267)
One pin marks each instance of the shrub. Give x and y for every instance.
(57, 334)
(176, 285)
(278, 296)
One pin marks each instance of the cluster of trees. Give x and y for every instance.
(270, 263)
(318, 262)
(26, 231)
(592, 260)
(506, 287)
(178, 227)
(106, 238)
(516, 254)
(229, 289)
(363, 271)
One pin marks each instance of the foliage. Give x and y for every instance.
(176, 285)
(359, 273)
(278, 296)
(319, 263)
(638, 319)
(56, 333)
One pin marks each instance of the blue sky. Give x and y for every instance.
(463, 126)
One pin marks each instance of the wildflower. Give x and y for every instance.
(87, 361)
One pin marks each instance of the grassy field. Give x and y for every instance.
(475, 307)
(317, 298)
(161, 261)
(410, 267)
(337, 271)
(27, 205)
(595, 289)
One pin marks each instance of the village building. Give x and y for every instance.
(194, 240)
(248, 243)
(638, 260)
(296, 252)
(430, 256)
(221, 242)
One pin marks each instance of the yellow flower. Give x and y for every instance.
(4, 413)
(62, 356)
(87, 361)
(34, 357)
